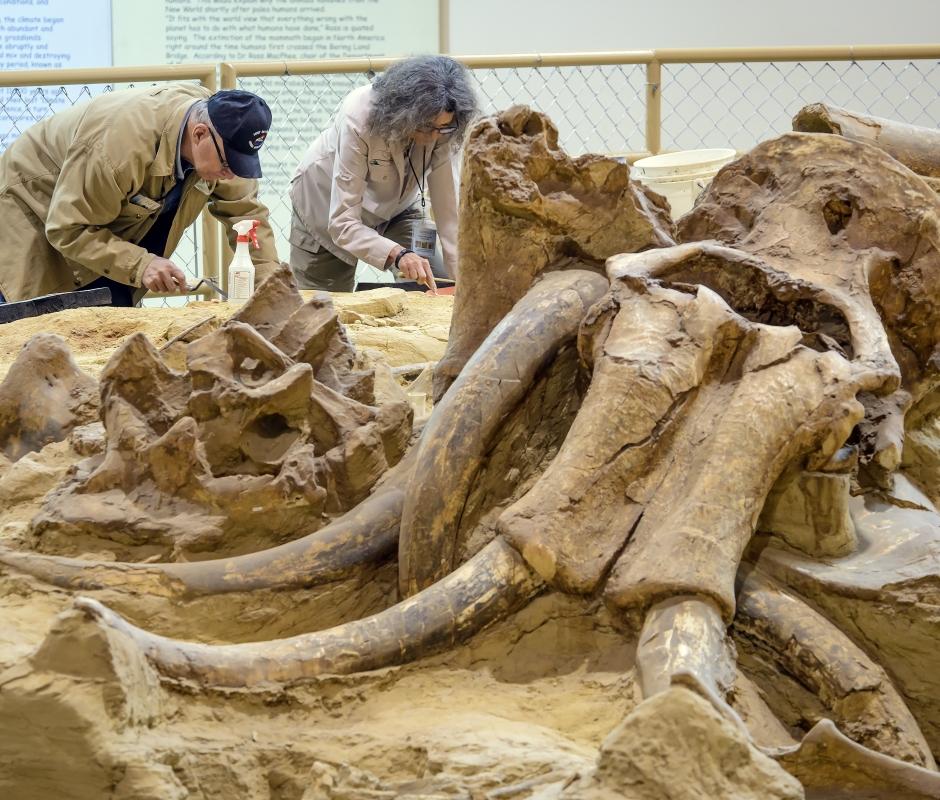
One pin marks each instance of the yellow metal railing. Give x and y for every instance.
(653, 60)
(629, 104)
(204, 73)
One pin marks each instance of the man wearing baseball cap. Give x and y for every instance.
(100, 194)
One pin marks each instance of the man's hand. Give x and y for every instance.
(162, 275)
(417, 269)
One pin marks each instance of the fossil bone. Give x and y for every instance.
(492, 584)
(916, 147)
(526, 208)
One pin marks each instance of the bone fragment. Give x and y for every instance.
(916, 147)
(810, 511)
(43, 396)
(859, 695)
(828, 761)
(527, 207)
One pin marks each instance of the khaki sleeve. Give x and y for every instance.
(346, 228)
(236, 200)
(442, 189)
(88, 196)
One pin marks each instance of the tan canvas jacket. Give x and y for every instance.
(350, 184)
(78, 189)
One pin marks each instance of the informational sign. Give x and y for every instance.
(48, 34)
(62, 34)
(179, 31)
(55, 34)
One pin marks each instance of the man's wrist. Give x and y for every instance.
(401, 254)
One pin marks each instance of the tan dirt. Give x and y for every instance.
(520, 712)
(408, 327)
(530, 701)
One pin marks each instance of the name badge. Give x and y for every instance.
(424, 238)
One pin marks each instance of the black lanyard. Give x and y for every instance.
(424, 167)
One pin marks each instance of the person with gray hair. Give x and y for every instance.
(363, 188)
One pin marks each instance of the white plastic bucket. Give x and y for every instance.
(680, 177)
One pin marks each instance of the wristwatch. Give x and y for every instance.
(403, 252)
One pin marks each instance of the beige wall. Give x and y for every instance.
(498, 26)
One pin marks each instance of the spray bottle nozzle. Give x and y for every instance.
(247, 231)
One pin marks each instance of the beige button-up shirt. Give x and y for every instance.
(350, 184)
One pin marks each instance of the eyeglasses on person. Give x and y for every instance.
(218, 150)
(443, 130)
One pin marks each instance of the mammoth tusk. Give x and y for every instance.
(492, 584)
(914, 146)
(469, 415)
(854, 690)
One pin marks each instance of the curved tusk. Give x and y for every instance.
(470, 414)
(854, 690)
(492, 584)
(366, 534)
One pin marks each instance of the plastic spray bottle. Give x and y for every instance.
(241, 272)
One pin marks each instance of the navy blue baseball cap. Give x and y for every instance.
(242, 120)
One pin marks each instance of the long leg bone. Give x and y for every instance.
(683, 641)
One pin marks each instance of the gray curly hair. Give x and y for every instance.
(411, 93)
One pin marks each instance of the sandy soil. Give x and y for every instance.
(408, 327)
(519, 712)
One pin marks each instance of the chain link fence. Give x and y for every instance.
(740, 104)
(603, 108)
(620, 104)
(596, 108)
(300, 105)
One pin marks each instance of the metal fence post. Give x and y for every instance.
(210, 226)
(443, 22)
(654, 106)
(228, 75)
